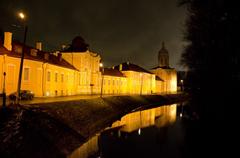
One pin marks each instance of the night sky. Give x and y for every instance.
(120, 30)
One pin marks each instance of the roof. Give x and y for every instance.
(3, 50)
(112, 72)
(53, 59)
(158, 78)
(162, 67)
(131, 67)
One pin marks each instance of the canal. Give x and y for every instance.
(155, 132)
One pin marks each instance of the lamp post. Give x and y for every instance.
(22, 17)
(102, 70)
(4, 91)
(181, 85)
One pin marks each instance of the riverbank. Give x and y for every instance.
(56, 129)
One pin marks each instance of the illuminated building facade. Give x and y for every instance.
(43, 73)
(77, 71)
(139, 80)
(114, 82)
(165, 73)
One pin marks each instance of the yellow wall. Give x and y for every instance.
(88, 65)
(140, 82)
(170, 79)
(159, 86)
(114, 85)
(37, 78)
(1, 72)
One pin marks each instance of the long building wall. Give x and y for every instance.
(43, 79)
(46, 79)
(114, 85)
(140, 82)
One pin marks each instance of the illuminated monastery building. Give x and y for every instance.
(77, 71)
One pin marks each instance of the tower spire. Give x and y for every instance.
(163, 57)
(163, 45)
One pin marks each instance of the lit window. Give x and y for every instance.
(108, 82)
(26, 74)
(48, 76)
(56, 76)
(113, 82)
(62, 77)
(67, 77)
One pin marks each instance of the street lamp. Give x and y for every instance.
(22, 16)
(181, 85)
(102, 70)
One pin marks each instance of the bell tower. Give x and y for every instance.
(163, 57)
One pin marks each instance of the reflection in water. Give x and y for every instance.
(136, 121)
(159, 117)
(87, 149)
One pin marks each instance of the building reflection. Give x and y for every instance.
(159, 117)
(133, 122)
(87, 149)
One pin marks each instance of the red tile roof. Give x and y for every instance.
(113, 72)
(53, 59)
(162, 67)
(131, 67)
(158, 78)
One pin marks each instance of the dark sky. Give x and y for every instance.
(120, 30)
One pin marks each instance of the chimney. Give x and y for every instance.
(39, 45)
(8, 40)
(59, 55)
(120, 67)
(46, 56)
(63, 47)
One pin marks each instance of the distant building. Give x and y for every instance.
(114, 82)
(139, 80)
(163, 71)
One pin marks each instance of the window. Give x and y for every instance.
(113, 82)
(108, 82)
(48, 76)
(67, 77)
(26, 74)
(62, 77)
(10, 74)
(56, 76)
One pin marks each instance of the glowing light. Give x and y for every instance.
(139, 131)
(101, 64)
(180, 114)
(47, 93)
(21, 15)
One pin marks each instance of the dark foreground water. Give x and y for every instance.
(158, 132)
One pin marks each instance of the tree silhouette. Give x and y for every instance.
(212, 53)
